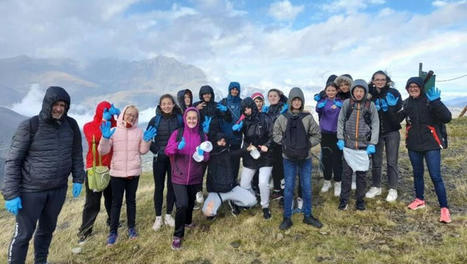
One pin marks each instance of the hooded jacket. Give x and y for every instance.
(275, 110)
(388, 121)
(43, 160)
(328, 115)
(181, 99)
(343, 78)
(185, 170)
(168, 123)
(308, 121)
(128, 146)
(234, 106)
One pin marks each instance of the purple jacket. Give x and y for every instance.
(328, 115)
(185, 170)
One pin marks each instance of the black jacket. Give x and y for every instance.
(388, 121)
(181, 99)
(220, 173)
(167, 124)
(43, 160)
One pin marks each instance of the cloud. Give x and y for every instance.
(439, 3)
(350, 6)
(284, 10)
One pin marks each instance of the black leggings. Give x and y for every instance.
(120, 186)
(161, 167)
(185, 201)
(332, 157)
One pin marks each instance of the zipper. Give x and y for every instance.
(356, 128)
(189, 163)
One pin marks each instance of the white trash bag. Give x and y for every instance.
(358, 160)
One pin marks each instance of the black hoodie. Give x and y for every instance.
(181, 99)
(167, 124)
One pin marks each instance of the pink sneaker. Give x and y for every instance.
(176, 243)
(445, 215)
(416, 204)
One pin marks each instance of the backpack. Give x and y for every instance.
(295, 142)
(366, 111)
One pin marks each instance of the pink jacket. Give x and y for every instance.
(128, 146)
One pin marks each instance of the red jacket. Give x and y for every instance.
(91, 129)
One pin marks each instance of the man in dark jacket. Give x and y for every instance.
(44, 151)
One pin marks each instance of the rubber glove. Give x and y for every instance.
(149, 134)
(265, 109)
(221, 107)
(370, 149)
(384, 105)
(317, 97)
(340, 144)
(114, 110)
(338, 103)
(13, 205)
(206, 123)
(322, 104)
(106, 115)
(433, 94)
(237, 127)
(392, 101)
(182, 144)
(377, 104)
(200, 151)
(106, 131)
(77, 189)
(284, 108)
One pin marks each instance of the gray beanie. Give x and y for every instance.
(359, 83)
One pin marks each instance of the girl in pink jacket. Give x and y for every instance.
(128, 144)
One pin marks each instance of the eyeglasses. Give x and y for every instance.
(413, 86)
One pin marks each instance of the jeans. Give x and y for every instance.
(291, 168)
(390, 141)
(120, 186)
(433, 162)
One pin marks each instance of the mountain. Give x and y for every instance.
(456, 102)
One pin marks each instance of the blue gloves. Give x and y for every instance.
(284, 108)
(114, 110)
(182, 144)
(237, 127)
(149, 134)
(340, 144)
(317, 97)
(377, 104)
(265, 109)
(221, 107)
(322, 104)
(200, 151)
(338, 103)
(13, 205)
(392, 101)
(77, 189)
(370, 149)
(384, 105)
(206, 123)
(106, 115)
(433, 94)
(106, 131)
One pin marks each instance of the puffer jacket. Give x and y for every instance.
(181, 99)
(168, 123)
(43, 160)
(234, 106)
(128, 146)
(388, 121)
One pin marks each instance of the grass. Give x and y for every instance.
(384, 233)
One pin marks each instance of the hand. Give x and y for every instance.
(221, 107)
(317, 97)
(392, 101)
(377, 104)
(284, 108)
(338, 103)
(13, 205)
(206, 123)
(322, 104)
(433, 94)
(237, 127)
(182, 144)
(106, 131)
(265, 109)
(370, 149)
(200, 151)
(114, 110)
(106, 115)
(263, 148)
(149, 134)
(340, 144)
(77, 189)
(384, 105)
(201, 106)
(250, 147)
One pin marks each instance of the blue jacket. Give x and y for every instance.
(234, 106)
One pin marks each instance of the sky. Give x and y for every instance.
(263, 44)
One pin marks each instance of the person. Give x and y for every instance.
(328, 110)
(185, 99)
(357, 134)
(187, 174)
(127, 142)
(257, 131)
(344, 82)
(426, 115)
(104, 112)
(168, 118)
(259, 100)
(388, 102)
(322, 94)
(45, 149)
(222, 183)
(297, 132)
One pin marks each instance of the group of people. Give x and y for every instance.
(357, 122)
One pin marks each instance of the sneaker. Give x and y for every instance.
(326, 186)
(360, 205)
(266, 213)
(342, 205)
(286, 224)
(276, 194)
(132, 233)
(299, 203)
(199, 197)
(353, 186)
(169, 220)
(392, 195)
(191, 226)
(82, 240)
(374, 191)
(337, 189)
(176, 243)
(112, 239)
(416, 204)
(157, 224)
(234, 209)
(445, 216)
(310, 220)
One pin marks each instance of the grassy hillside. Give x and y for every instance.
(384, 233)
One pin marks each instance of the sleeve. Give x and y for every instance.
(278, 130)
(238, 152)
(143, 145)
(374, 124)
(319, 110)
(154, 149)
(269, 131)
(341, 119)
(314, 132)
(401, 114)
(77, 155)
(105, 145)
(225, 115)
(171, 148)
(394, 110)
(206, 154)
(439, 111)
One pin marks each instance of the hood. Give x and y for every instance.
(53, 95)
(196, 128)
(294, 93)
(330, 79)
(343, 78)
(121, 123)
(234, 85)
(100, 112)
(418, 81)
(359, 83)
(204, 90)
(181, 98)
(248, 102)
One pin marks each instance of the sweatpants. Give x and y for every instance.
(119, 187)
(161, 167)
(263, 182)
(238, 195)
(332, 157)
(390, 142)
(347, 182)
(185, 196)
(44, 207)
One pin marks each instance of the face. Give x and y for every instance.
(296, 103)
(207, 97)
(58, 109)
(130, 115)
(358, 93)
(191, 119)
(273, 98)
(414, 90)
(187, 99)
(379, 80)
(344, 87)
(167, 105)
(259, 103)
(247, 111)
(331, 92)
(234, 92)
(221, 142)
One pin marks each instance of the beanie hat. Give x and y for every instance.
(417, 80)
(256, 95)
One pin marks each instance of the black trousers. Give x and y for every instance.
(277, 167)
(128, 187)
(347, 182)
(160, 168)
(92, 206)
(332, 157)
(235, 161)
(44, 207)
(185, 196)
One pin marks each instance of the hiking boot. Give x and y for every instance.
(234, 209)
(112, 239)
(337, 189)
(176, 243)
(360, 205)
(374, 191)
(310, 220)
(326, 186)
(286, 224)
(132, 233)
(157, 224)
(199, 197)
(392, 195)
(169, 220)
(266, 213)
(445, 216)
(416, 204)
(342, 205)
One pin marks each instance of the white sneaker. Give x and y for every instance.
(353, 186)
(168, 220)
(337, 189)
(299, 203)
(199, 197)
(392, 195)
(157, 224)
(374, 191)
(326, 186)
